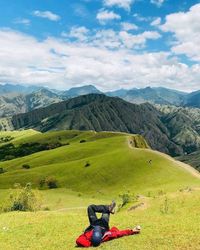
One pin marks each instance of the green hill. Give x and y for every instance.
(93, 168)
(89, 162)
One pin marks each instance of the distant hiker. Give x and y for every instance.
(150, 161)
(99, 230)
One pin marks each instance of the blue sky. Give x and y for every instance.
(108, 43)
(80, 13)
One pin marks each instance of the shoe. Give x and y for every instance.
(112, 207)
(137, 228)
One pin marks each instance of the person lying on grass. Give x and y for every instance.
(98, 230)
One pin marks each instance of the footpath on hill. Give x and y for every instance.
(187, 167)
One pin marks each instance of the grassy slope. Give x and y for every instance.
(177, 230)
(114, 165)
(18, 135)
(119, 168)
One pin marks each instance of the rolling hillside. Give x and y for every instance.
(93, 168)
(94, 162)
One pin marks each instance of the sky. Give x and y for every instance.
(111, 44)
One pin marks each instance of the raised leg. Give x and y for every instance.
(105, 218)
(93, 209)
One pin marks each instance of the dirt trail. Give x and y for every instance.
(187, 167)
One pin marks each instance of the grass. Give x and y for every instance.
(19, 135)
(114, 166)
(58, 229)
(170, 215)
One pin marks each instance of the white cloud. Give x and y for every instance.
(106, 39)
(141, 18)
(158, 3)
(156, 22)
(137, 41)
(104, 16)
(61, 63)
(126, 4)
(111, 39)
(79, 33)
(23, 21)
(46, 14)
(129, 26)
(186, 29)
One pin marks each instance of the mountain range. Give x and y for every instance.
(100, 113)
(16, 88)
(170, 129)
(20, 99)
(173, 129)
(16, 99)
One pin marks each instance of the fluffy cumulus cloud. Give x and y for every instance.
(185, 27)
(80, 33)
(105, 16)
(112, 39)
(126, 4)
(64, 63)
(137, 41)
(46, 14)
(158, 3)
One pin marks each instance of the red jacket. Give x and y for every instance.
(84, 240)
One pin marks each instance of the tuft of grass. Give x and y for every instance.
(22, 199)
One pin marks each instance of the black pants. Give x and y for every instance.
(93, 219)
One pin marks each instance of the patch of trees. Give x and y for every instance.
(10, 151)
(6, 139)
(48, 182)
(26, 166)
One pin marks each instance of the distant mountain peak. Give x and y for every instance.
(89, 86)
(8, 88)
(82, 90)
